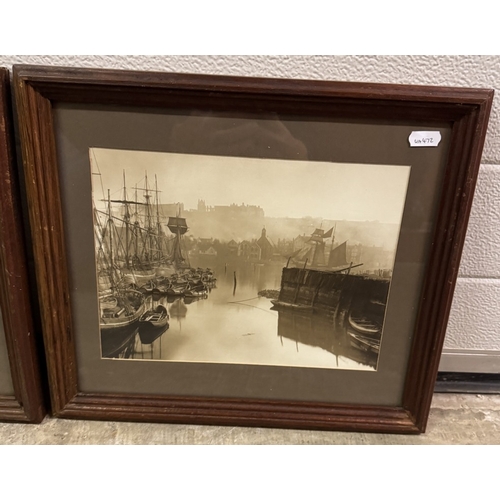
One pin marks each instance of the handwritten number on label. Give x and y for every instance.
(424, 139)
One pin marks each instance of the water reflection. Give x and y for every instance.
(178, 307)
(233, 324)
(324, 333)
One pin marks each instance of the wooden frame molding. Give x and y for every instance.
(38, 89)
(27, 404)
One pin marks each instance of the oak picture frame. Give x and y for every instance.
(26, 404)
(40, 91)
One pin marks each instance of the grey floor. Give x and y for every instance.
(454, 419)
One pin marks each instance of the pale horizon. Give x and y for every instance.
(282, 188)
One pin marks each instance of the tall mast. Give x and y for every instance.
(158, 225)
(127, 222)
(110, 224)
(333, 236)
(100, 235)
(149, 226)
(136, 226)
(178, 241)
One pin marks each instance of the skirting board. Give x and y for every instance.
(469, 371)
(469, 383)
(470, 361)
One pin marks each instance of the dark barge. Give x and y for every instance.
(353, 301)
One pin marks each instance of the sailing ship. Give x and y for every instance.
(142, 247)
(178, 227)
(337, 260)
(131, 252)
(318, 244)
(313, 253)
(148, 238)
(120, 305)
(135, 258)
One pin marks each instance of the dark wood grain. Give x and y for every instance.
(27, 405)
(460, 179)
(240, 412)
(467, 110)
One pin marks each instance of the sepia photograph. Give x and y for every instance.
(220, 259)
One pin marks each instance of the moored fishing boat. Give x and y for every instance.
(161, 288)
(120, 310)
(363, 343)
(153, 323)
(364, 328)
(364, 325)
(177, 290)
(148, 287)
(196, 291)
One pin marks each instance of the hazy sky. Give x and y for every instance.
(283, 188)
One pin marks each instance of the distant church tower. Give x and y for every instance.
(265, 245)
(202, 207)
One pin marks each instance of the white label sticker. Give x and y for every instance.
(424, 139)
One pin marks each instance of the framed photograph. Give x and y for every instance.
(246, 251)
(21, 397)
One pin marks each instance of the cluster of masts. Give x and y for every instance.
(139, 244)
(135, 258)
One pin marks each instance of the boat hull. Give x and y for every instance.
(364, 343)
(118, 343)
(116, 319)
(152, 324)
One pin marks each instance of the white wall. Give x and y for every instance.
(473, 336)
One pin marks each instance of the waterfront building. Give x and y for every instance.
(267, 248)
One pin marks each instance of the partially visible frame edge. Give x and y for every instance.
(27, 404)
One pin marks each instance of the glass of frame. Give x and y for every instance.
(21, 397)
(246, 251)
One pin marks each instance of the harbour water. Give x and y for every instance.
(233, 324)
